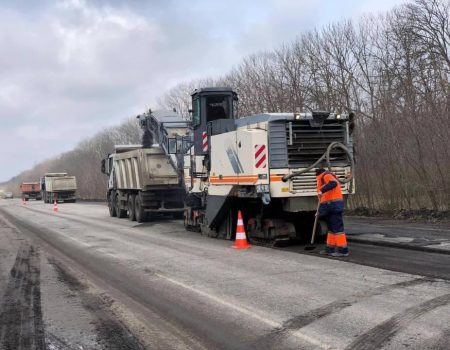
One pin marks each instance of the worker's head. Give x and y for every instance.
(320, 171)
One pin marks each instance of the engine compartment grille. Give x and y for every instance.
(307, 182)
(308, 143)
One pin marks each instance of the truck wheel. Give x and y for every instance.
(138, 209)
(121, 213)
(111, 206)
(131, 211)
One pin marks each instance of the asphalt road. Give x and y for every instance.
(123, 285)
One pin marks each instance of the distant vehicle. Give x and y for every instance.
(8, 195)
(31, 190)
(58, 186)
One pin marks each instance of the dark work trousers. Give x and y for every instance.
(332, 212)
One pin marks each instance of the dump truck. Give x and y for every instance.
(143, 181)
(58, 186)
(31, 190)
(262, 165)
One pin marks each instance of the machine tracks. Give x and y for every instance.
(376, 337)
(296, 323)
(21, 325)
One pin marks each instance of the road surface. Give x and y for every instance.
(78, 279)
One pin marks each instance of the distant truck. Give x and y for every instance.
(58, 186)
(141, 182)
(31, 190)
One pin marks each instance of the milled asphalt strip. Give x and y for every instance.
(379, 335)
(164, 305)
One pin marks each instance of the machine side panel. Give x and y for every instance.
(253, 156)
(225, 164)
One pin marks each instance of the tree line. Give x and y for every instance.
(391, 70)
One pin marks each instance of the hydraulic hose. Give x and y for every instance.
(326, 156)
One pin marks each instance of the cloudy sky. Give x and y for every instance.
(70, 68)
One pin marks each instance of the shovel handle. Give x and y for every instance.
(313, 236)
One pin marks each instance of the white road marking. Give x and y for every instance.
(298, 334)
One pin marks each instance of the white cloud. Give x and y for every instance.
(70, 68)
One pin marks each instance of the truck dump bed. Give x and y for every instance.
(144, 169)
(57, 184)
(27, 187)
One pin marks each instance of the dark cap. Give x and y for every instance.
(320, 171)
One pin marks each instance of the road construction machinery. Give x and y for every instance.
(31, 190)
(58, 186)
(143, 179)
(263, 165)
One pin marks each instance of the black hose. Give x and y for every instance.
(326, 156)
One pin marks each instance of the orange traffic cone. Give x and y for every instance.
(241, 238)
(55, 206)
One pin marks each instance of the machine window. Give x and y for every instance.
(196, 111)
(217, 107)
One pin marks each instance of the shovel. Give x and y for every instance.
(313, 236)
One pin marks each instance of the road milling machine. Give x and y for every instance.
(263, 165)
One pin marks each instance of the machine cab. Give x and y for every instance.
(208, 105)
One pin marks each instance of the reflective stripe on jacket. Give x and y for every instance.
(330, 193)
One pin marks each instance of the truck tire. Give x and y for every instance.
(112, 205)
(131, 211)
(121, 213)
(138, 209)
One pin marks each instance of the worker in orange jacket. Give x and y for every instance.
(331, 210)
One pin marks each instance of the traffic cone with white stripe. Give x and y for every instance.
(55, 206)
(241, 238)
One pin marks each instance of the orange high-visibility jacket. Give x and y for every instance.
(333, 194)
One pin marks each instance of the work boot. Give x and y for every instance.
(341, 252)
(339, 255)
(328, 251)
